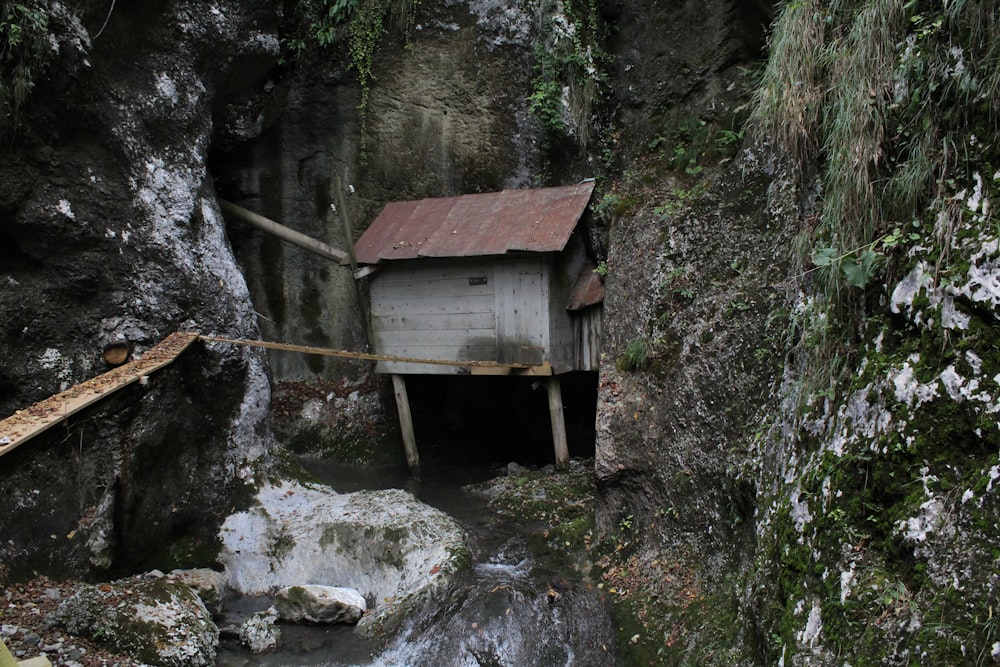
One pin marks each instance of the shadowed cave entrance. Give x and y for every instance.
(491, 420)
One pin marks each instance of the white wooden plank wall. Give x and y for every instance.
(562, 328)
(589, 323)
(434, 310)
(507, 313)
(521, 311)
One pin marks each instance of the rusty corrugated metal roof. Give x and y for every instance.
(538, 220)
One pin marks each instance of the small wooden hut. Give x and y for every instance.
(498, 283)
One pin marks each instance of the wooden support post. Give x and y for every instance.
(558, 423)
(338, 192)
(406, 425)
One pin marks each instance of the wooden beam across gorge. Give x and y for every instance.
(388, 363)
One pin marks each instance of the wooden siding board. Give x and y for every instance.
(433, 269)
(520, 311)
(456, 353)
(536, 292)
(431, 310)
(562, 329)
(436, 321)
(438, 338)
(409, 368)
(431, 306)
(436, 288)
(504, 305)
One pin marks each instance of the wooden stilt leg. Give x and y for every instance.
(406, 425)
(558, 424)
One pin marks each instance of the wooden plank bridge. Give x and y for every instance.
(26, 424)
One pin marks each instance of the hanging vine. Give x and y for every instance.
(362, 24)
(568, 63)
(24, 41)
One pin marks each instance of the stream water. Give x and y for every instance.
(509, 609)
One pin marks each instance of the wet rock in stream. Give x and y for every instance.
(505, 615)
(320, 604)
(386, 544)
(260, 632)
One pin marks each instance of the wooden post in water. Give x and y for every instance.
(406, 425)
(558, 423)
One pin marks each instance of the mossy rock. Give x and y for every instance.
(154, 620)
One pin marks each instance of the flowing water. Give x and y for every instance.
(509, 609)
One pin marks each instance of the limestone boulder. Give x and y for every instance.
(260, 632)
(320, 604)
(210, 585)
(385, 544)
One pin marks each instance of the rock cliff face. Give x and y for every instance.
(797, 440)
(110, 232)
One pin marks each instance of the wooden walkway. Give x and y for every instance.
(26, 424)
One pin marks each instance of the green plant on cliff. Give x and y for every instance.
(636, 355)
(881, 96)
(24, 43)
(890, 110)
(568, 69)
(897, 104)
(362, 24)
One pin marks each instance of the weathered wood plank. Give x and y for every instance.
(436, 269)
(589, 326)
(536, 292)
(521, 312)
(409, 368)
(558, 421)
(431, 305)
(412, 368)
(392, 342)
(455, 286)
(541, 370)
(6, 659)
(426, 322)
(456, 353)
(26, 424)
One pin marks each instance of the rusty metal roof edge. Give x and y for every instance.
(379, 243)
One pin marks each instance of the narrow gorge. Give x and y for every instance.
(786, 457)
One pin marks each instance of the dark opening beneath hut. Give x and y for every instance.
(491, 420)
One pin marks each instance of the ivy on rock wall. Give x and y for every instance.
(24, 41)
(361, 24)
(568, 65)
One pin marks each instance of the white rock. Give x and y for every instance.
(259, 632)
(386, 544)
(319, 604)
(207, 583)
